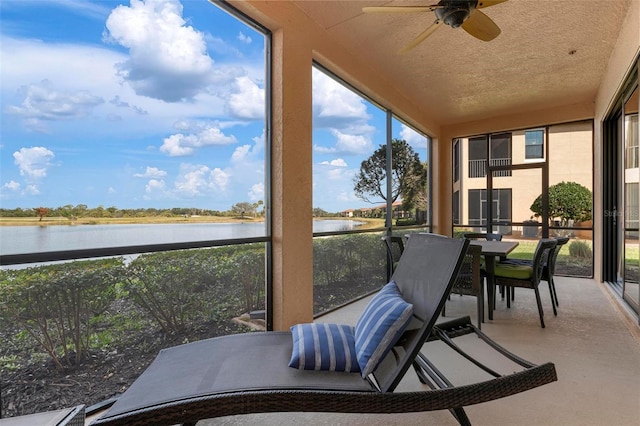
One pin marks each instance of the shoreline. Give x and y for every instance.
(88, 221)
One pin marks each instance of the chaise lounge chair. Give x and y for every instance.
(250, 373)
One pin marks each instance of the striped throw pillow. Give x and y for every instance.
(320, 346)
(380, 326)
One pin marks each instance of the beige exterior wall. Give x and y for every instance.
(571, 153)
(569, 157)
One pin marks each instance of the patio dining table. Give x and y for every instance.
(491, 250)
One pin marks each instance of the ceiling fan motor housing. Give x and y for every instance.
(454, 12)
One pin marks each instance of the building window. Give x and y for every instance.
(456, 208)
(499, 147)
(478, 206)
(500, 153)
(533, 144)
(631, 206)
(478, 157)
(456, 161)
(631, 146)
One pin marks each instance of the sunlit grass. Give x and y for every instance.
(526, 249)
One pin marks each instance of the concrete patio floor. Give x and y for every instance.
(593, 342)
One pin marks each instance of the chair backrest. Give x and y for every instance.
(482, 236)
(395, 247)
(551, 262)
(468, 279)
(541, 256)
(426, 272)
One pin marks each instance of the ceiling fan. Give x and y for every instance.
(455, 13)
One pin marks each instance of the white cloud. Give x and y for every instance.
(180, 144)
(197, 179)
(349, 144)
(244, 38)
(338, 162)
(175, 145)
(336, 174)
(256, 192)
(334, 102)
(31, 190)
(192, 182)
(43, 102)
(218, 180)
(33, 162)
(151, 173)
(344, 114)
(333, 184)
(80, 7)
(155, 186)
(168, 59)
(11, 186)
(354, 144)
(413, 138)
(74, 68)
(240, 153)
(247, 101)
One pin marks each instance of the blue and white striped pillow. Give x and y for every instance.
(320, 346)
(380, 326)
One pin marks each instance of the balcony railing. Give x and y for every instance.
(478, 168)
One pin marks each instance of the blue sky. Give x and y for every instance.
(159, 104)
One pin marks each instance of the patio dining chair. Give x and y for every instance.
(490, 236)
(511, 275)
(470, 281)
(394, 246)
(549, 267)
(318, 367)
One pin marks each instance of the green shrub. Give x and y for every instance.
(177, 289)
(169, 287)
(327, 261)
(55, 304)
(248, 272)
(406, 222)
(567, 201)
(580, 249)
(240, 278)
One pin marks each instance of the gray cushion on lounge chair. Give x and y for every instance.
(242, 362)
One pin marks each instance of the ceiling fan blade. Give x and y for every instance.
(426, 33)
(480, 26)
(398, 9)
(487, 3)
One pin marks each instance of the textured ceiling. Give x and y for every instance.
(550, 53)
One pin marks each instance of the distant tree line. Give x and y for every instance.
(82, 211)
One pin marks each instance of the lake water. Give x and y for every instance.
(34, 239)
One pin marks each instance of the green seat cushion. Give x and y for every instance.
(519, 272)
